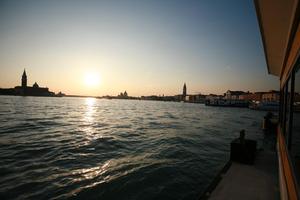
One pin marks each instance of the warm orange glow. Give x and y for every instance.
(92, 79)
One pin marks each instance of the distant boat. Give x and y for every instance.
(226, 102)
(266, 106)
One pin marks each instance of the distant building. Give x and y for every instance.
(7, 91)
(184, 96)
(60, 94)
(161, 98)
(213, 97)
(184, 91)
(272, 95)
(178, 97)
(123, 95)
(234, 95)
(256, 96)
(35, 90)
(197, 98)
(24, 80)
(35, 85)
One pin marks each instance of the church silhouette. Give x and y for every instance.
(25, 90)
(35, 90)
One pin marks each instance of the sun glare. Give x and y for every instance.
(92, 79)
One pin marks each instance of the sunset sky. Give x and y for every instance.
(145, 47)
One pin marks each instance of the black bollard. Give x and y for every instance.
(243, 150)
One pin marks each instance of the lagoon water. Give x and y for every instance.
(84, 148)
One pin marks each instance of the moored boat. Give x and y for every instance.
(227, 102)
(266, 106)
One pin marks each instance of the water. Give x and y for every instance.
(82, 148)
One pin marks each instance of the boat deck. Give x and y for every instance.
(258, 181)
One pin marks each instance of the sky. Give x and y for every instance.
(146, 47)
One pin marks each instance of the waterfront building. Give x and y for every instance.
(161, 98)
(35, 90)
(24, 79)
(60, 94)
(184, 91)
(233, 94)
(183, 96)
(178, 97)
(197, 98)
(271, 96)
(25, 90)
(123, 95)
(7, 91)
(213, 96)
(256, 96)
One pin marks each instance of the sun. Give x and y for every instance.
(92, 79)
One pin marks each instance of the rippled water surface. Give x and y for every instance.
(83, 148)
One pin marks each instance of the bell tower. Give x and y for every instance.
(184, 91)
(24, 79)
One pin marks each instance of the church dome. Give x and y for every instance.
(35, 85)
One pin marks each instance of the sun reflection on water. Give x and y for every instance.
(90, 108)
(90, 173)
(89, 117)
